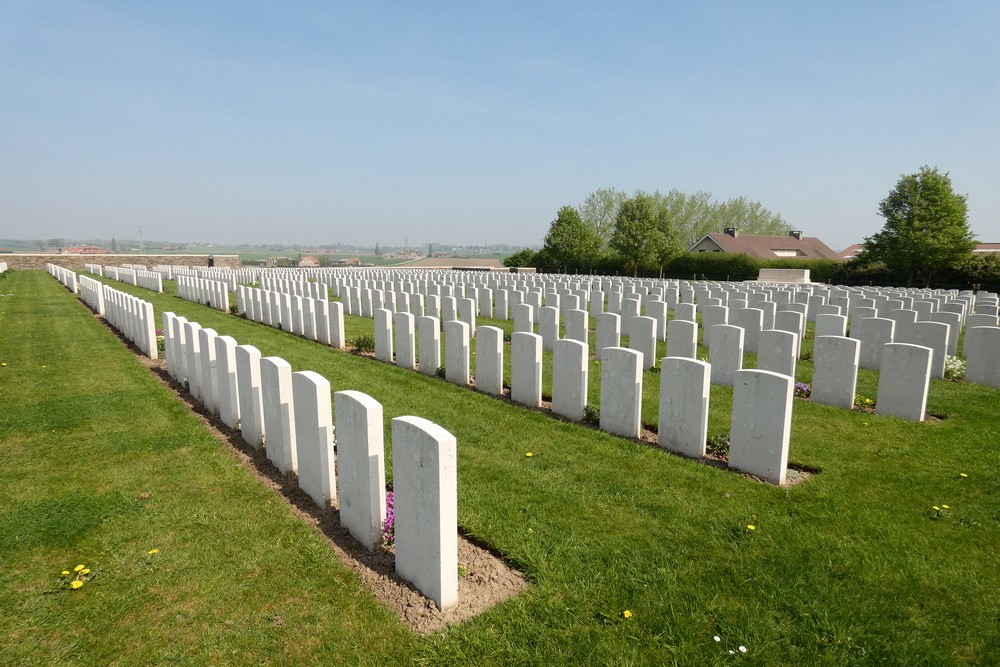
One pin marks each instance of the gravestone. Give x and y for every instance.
(835, 371)
(777, 351)
(279, 416)
(683, 413)
(314, 436)
(904, 378)
(526, 368)
(682, 339)
(621, 391)
(456, 349)
(643, 339)
(761, 424)
(570, 372)
(489, 360)
(429, 333)
(425, 486)
(726, 353)
(251, 409)
(405, 339)
(361, 464)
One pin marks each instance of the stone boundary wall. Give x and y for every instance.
(79, 262)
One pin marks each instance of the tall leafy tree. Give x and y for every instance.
(926, 227)
(636, 236)
(571, 243)
(600, 210)
(520, 258)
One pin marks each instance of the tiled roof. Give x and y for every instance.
(806, 247)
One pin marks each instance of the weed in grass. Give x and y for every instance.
(363, 343)
(592, 415)
(864, 404)
(940, 511)
(441, 373)
(75, 580)
(718, 444)
(802, 390)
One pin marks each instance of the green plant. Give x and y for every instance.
(592, 415)
(718, 444)
(954, 368)
(363, 343)
(864, 403)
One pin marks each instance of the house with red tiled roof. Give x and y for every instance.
(792, 246)
(851, 251)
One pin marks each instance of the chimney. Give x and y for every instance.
(732, 231)
(797, 234)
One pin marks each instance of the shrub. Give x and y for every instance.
(954, 368)
(364, 343)
(718, 444)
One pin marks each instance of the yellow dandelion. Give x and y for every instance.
(78, 568)
(85, 570)
(65, 573)
(154, 551)
(3, 364)
(962, 474)
(627, 613)
(947, 507)
(528, 454)
(76, 584)
(936, 508)
(750, 526)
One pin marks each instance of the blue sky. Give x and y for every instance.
(474, 122)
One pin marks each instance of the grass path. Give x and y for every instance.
(850, 567)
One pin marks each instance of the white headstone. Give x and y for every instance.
(621, 391)
(361, 466)
(761, 424)
(683, 418)
(903, 381)
(314, 436)
(279, 417)
(835, 370)
(425, 487)
(570, 372)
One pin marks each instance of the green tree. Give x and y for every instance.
(520, 258)
(114, 245)
(667, 242)
(926, 227)
(636, 237)
(600, 210)
(571, 243)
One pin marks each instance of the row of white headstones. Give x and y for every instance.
(762, 404)
(298, 306)
(291, 415)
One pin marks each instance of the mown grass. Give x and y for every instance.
(850, 567)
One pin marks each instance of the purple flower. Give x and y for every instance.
(389, 525)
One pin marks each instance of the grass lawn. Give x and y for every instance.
(851, 567)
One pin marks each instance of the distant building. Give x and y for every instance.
(851, 251)
(793, 246)
(348, 261)
(308, 260)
